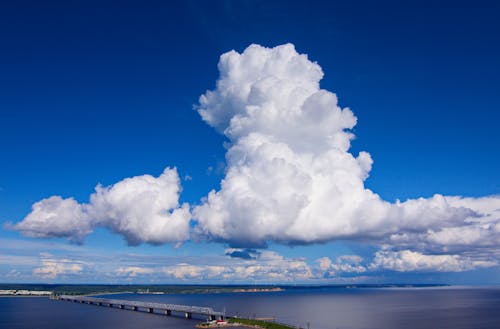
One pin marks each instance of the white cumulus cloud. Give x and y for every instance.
(290, 177)
(56, 217)
(407, 260)
(143, 209)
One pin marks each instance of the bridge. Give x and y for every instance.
(166, 309)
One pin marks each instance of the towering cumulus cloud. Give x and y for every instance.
(142, 209)
(290, 176)
(290, 179)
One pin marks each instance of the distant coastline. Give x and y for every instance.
(275, 289)
(24, 293)
(31, 290)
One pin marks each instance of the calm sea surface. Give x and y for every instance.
(325, 308)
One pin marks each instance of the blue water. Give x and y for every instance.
(325, 308)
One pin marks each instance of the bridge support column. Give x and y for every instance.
(212, 317)
(188, 315)
(168, 312)
(134, 308)
(150, 310)
(110, 305)
(121, 306)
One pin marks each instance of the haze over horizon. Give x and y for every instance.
(351, 148)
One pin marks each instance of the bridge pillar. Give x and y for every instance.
(110, 305)
(188, 315)
(212, 317)
(168, 312)
(150, 310)
(99, 304)
(121, 306)
(134, 308)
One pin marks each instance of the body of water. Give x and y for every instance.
(322, 308)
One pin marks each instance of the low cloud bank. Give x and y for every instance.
(407, 261)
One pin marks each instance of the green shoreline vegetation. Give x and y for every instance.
(251, 323)
(259, 323)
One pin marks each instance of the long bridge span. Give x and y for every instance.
(166, 309)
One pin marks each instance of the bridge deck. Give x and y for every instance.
(187, 309)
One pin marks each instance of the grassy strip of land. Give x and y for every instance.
(260, 323)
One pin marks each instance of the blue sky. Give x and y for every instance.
(96, 92)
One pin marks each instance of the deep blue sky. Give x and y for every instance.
(95, 91)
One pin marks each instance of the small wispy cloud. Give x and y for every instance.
(52, 267)
(346, 264)
(133, 271)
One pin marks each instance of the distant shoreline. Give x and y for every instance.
(96, 289)
(23, 296)
(110, 293)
